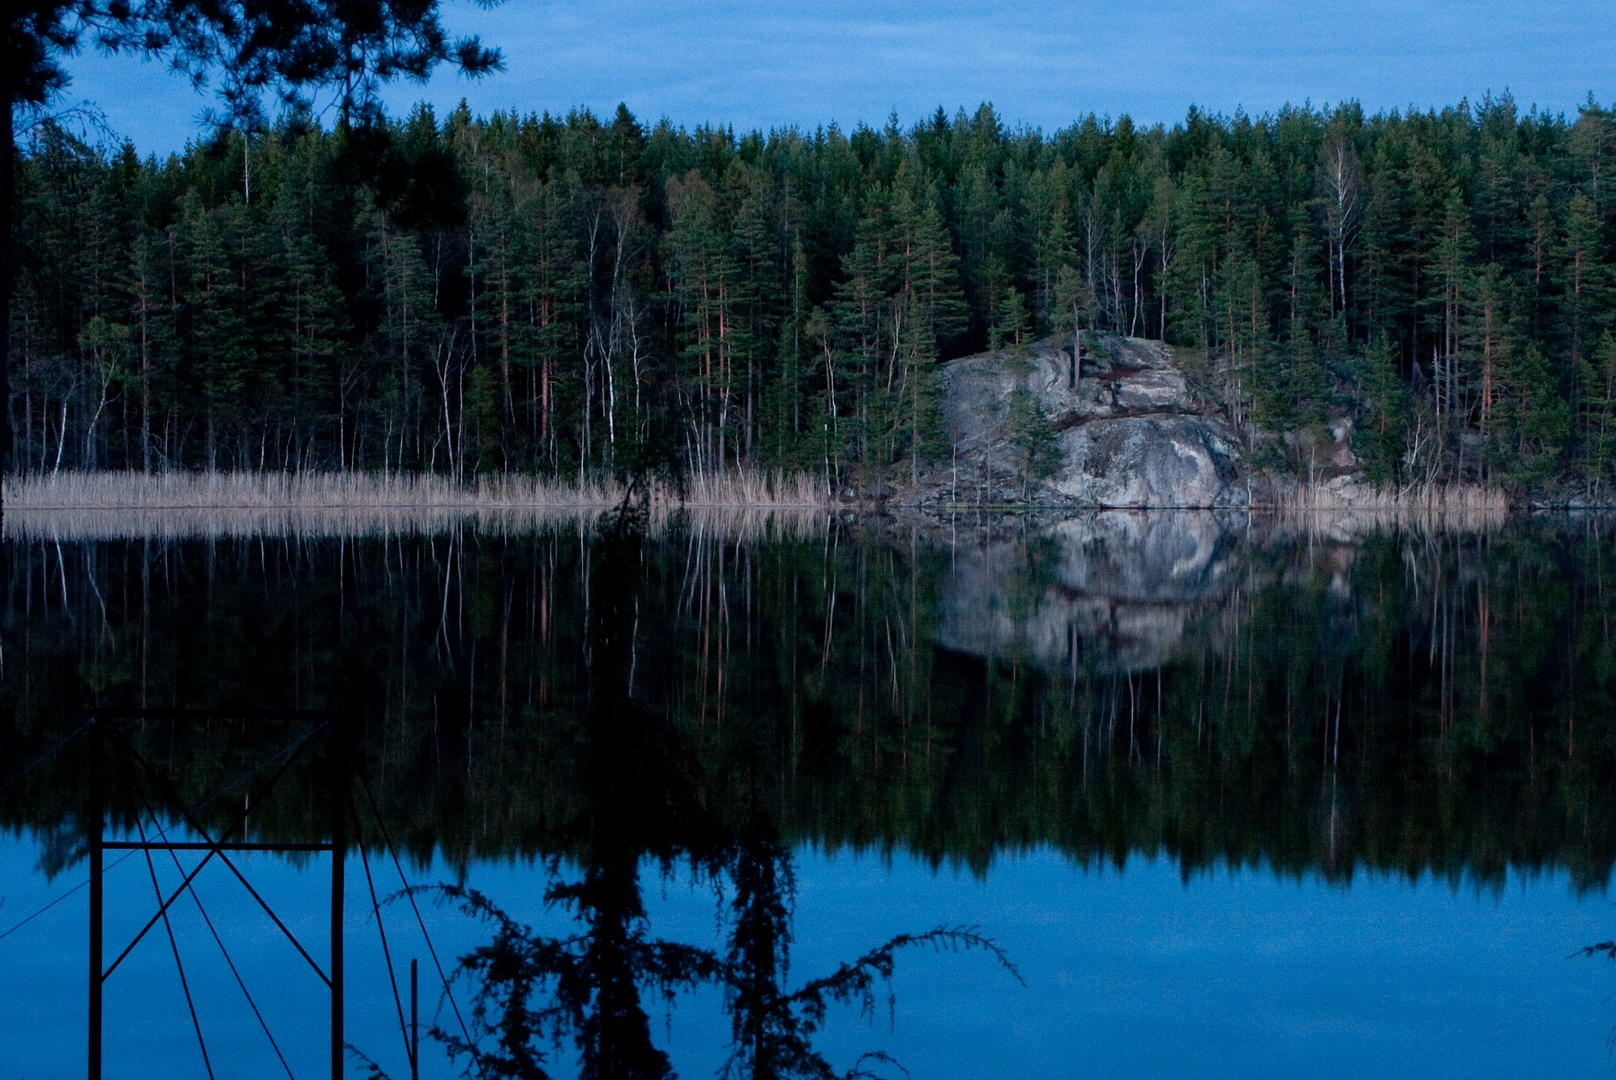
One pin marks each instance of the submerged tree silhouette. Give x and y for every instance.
(772, 1029)
(535, 992)
(640, 801)
(643, 800)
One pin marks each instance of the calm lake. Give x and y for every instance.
(1153, 795)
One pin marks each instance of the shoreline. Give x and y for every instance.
(111, 505)
(117, 490)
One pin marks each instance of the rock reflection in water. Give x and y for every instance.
(1105, 593)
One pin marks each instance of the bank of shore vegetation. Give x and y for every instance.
(580, 298)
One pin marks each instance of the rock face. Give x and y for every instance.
(1129, 431)
(1107, 592)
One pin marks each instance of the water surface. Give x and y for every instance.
(1235, 797)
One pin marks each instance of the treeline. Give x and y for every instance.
(576, 295)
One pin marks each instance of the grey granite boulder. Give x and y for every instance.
(1131, 434)
(1159, 460)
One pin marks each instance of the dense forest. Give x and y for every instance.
(577, 295)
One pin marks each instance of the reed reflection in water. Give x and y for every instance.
(1224, 693)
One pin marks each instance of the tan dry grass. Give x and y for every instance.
(111, 505)
(1464, 507)
(303, 491)
(755, 489)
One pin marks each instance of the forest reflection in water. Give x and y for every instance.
(1220, 691)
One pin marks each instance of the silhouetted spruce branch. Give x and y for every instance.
(856, 981)
(1603, 948)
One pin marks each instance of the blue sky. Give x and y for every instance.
(1043, 63)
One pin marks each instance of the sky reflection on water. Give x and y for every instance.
(1137, 973)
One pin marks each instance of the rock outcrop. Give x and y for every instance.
(1130, 433)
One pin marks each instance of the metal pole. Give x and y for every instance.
(415, 1020)
(93, 827)
(339, 847)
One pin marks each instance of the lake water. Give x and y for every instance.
(1229, 797)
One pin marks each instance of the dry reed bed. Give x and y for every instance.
(1436, 507)
(301, 491)
(174, 506)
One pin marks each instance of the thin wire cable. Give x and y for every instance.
(185, 984)
(32, 765)
(387, 954)
(64, 896)
(215, 850)
(163, 835)
(204, 803)
(410, 893)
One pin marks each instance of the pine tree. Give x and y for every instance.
(220, 349)
(1487, 338)
(409, 329)
(923, 415)
(151, 318)
(1455, 256)
(1035, 438)
(1598, 397)
(1027, 427)
(863, 316)
(705, 281)
(314, 321)
(1379, 431)
(1533, 421)
(552, 276)
(1049, 223)
(758, 281)
(1583, 279)
(930, 274)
